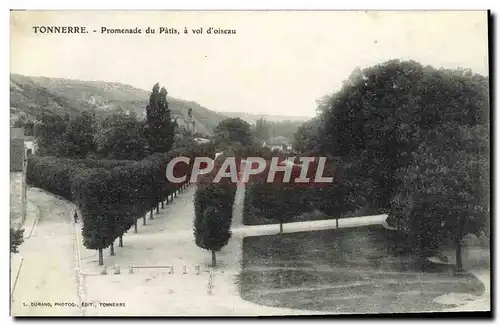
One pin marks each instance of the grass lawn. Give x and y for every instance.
(307, 271)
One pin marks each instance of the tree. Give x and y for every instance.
(284, 128)
(233, 130)
(160, 131)
(213, 215)
(381, 113)
(121, 136)
(94, 204)
(306, 137)
(216, 231)
(416, 133)
(443, 193)
(26, 123)
(16, 239)
(80, 135)
(50, 134)
(65, 136)
(261, 131)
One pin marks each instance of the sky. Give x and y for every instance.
(277, 62)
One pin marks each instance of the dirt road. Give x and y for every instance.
(47, 282)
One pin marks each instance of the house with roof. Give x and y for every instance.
(277, 143)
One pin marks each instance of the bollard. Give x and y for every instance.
(210, 282)
(198, 270)
(116, 269)
(131, 270)
(103, 271)
(185, 270)
(209, 287)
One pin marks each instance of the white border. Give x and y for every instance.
(191, 5)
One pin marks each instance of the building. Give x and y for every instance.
(18, 162)
(200, 140)
(278, 143)
(29, 143)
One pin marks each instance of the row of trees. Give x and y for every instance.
(120, 135)
(278, 202)
(264, 130)
(419, 137)
(112, 195)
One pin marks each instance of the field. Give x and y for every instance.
(307, 271)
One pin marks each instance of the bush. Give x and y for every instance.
(16, 239)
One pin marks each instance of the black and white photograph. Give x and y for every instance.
(250, 163)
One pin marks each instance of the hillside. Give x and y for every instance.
(33, 95)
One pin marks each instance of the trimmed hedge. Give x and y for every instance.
(110, 194)
(279, 202)
(57, 175)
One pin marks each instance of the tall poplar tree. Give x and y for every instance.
(160, 131)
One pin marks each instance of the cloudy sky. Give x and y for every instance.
(277, 63)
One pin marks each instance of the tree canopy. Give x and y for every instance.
(233, 130)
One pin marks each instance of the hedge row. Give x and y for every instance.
(57, 175)
(111, 195)
(279, 202)
(93, 163)
(112, 201)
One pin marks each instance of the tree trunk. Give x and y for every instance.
(281, 228)
(120, 241)
(162, 205)
(151, 214)
(214, 262)
(337, 223)
(144, 220)
(112, 249)
(341, 248)
(135, 226)
(388, 247)
(458, 243)
(158, 208)
(101, 259)
(459, 255)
